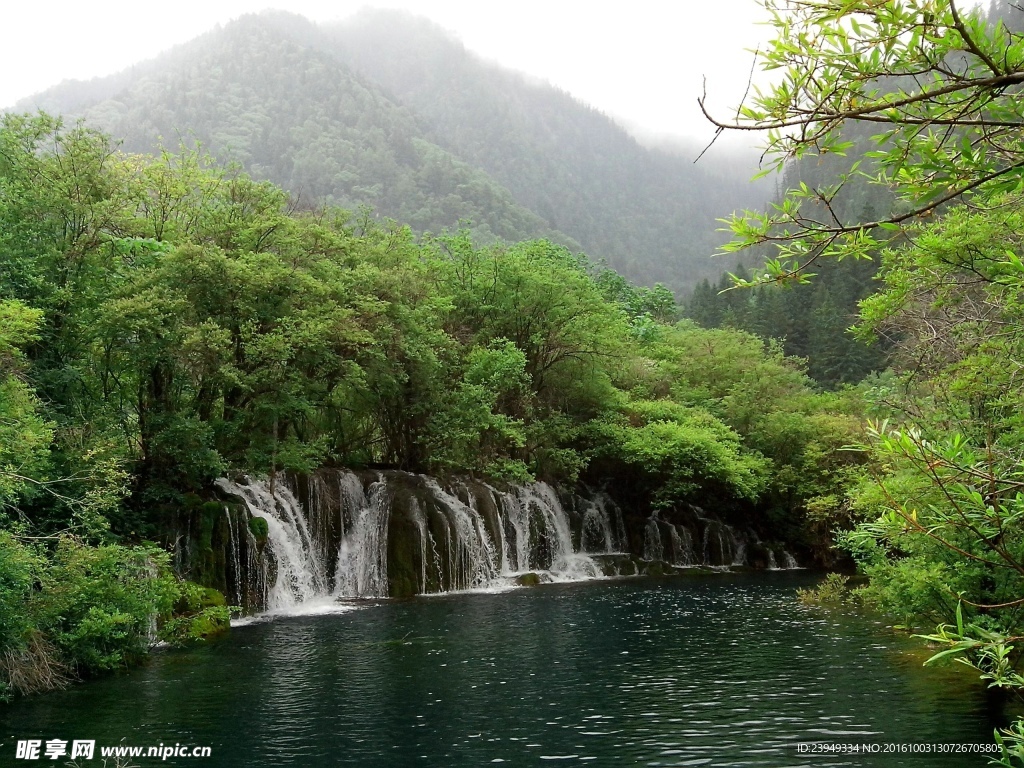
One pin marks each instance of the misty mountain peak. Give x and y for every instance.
(390, 110)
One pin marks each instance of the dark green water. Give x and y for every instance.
(724, 671)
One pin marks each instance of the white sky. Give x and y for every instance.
(641, 62)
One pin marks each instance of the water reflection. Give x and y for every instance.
(723, 671)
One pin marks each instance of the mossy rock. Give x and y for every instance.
(759, 556)
(213, 508)
(196, 598)
(211, 598)
(654, 568)
(259, 528)
(201, 613)
(700, 571)
(403, 551)
(528, 580)
(616, 564)
(192, 501)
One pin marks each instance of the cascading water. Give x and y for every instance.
(598, 533)
(722, 544)
(336, 545)
(473, 558)
(236, 553)
(362, 565)
(682, 546)
(299, 572)
(551, 530)
(338, 534)
(672, 543)
(788, 561)
(515, 534)
(654, 549)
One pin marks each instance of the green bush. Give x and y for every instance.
(73, 608)
(834, 590)
(100, 604)
(199, 614)
(19, 567)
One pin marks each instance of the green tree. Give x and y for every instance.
(938, 83)
(25, 436)
(940, 532)
(541, 298)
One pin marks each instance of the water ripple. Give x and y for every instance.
(723, 671)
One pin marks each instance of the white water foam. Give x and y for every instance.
(477, 539)
(532, 534)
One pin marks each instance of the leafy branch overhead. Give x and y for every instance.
(936, 85)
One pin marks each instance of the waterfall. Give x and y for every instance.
(236, 554)
(739, 547)
(775, 553)
(555, 553)
(424, 534)
(362, 559)
(723, 544)
(673, 543)
(682, 546)
(653, 547)
(299, 572)
(339, 535)
(338, 543)
(603, 530)
(473, 558)
(515, 535)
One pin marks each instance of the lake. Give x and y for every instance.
(722, 670)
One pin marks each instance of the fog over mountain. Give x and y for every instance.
(388, 110)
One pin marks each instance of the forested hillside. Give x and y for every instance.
(165, 322)
(812, 319)
(390, 112)
(652, 214)
(252, 95)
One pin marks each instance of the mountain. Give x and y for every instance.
(296, 116)
(388, 110)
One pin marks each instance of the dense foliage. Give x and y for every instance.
(942, 531)
(812, 321)
(812, 318)
(166, 322)
(936, 82)
(936, 523)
